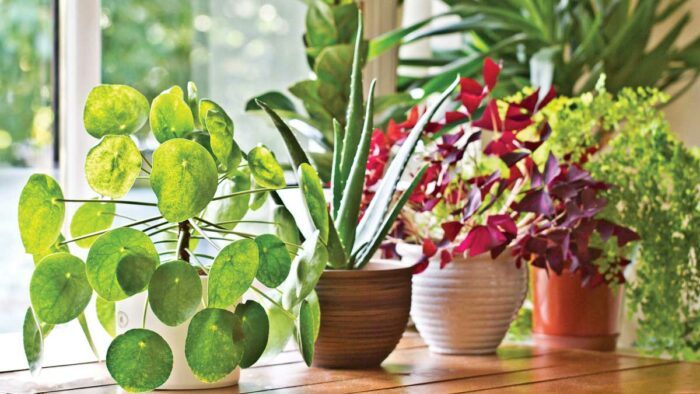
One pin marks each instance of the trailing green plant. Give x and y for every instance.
(203, 186)
(567, 44)
(351, 238)
(627, 142)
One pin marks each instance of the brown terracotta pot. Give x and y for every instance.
(364, 313)
(567, 315)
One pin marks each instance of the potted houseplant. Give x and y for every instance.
(182, 319)
(624, 139)
(497, 201)
(365, 302)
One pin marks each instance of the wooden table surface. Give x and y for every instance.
(411, 368)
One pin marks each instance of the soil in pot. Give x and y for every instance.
(569, 315)
(364, 314)
(467, 306)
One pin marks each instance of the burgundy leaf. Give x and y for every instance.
(536, 201)
(490, 119)
(468, 85)
(473, 203)
(511, 158)
(451, 230)
(429, 248)
(421, 265)
(475, 136)
(551, 169)
(503, 222)
(471, 102)
(445, 258)
(530, 102)
(605, 229)
(491, 71)
(453, 116)
(551, 94)
(625, 235)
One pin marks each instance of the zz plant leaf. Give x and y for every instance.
(111, 167)
(139, 360)
(59, 289)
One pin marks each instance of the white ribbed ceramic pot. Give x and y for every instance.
(466, 307)
(130, 315)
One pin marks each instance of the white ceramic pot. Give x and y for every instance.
(130, 315)
(466, 307)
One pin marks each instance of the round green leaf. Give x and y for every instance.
(175, 292)
(111, 167)
(307, 268)
(259, 200)
(55, 248)
(120, 263)
(89, 218)
(40, 213)
(220, 128)
(308, 326)
(256, 328)
(139, 360)
(59, 289)
(232, 273)
(205, 106)
(312, 190)
(33, 334)
(266, 170)
(106, 313)
(275, 262)
(286, 229)
(114, 109)
(170, 116)
(176, 90)
(234, 208)
(192, 101)
(214, 344)
(183, 178)
(281, 330)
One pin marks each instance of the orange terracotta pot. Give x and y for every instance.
(567, 315)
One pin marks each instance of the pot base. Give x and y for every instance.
(463, 352)
(601, 343)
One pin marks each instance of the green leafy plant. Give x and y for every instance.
(203, 186)
(352, 240)
(627, 142)
(568, 44)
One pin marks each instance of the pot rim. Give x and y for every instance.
(374, 266)
(410, 247)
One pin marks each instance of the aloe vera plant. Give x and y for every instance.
(203, 186)
(352, 240)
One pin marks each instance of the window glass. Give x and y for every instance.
(26, 137)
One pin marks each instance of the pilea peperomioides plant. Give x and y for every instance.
(203, 185)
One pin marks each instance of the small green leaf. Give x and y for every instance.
(214, 344)
(266, 170)
(220, 129)
(274, 99)
(106, 313)
(259, 200)
(314, 198)
(308, 327)
(234, 208)
(320, 25)
(275, 262)
(281, 330)
(170, 116)
(59, 289)
(89, 218)
(232, 273)
(33, 339)
(192, 101)
(115, 110)
(184, 179)
(307, 269)
(175, 292)
(88, 337)
(111, 167)
(206, 105)
(286, 229)
(40, 213)
(55, 248)
(256, 329)
(139, 360)
(120, 263)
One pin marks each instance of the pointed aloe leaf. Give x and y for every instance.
(88, 337)
(374, 214)
(33, 335)
(111, 167)
(89, 218)
(315, 199)
(265, 168)
(256, 330)
(170, 116)
(308, 326)
(115, 110)
(41, 213)
(175, 292)
(139, 360)
(366, 251)
(354, 110)
(336, 184)
(352, 192)
(232, 273)
(59, 289)
(338, 256)
(120, 263)
(214, 344)
(220, 129)
(106, 315)
(184, 179)
(275, 262)
(296, 152)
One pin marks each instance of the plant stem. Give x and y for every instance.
(245, 235)
(183, 242)
(128, 202)
(277, 304)
(146, 171)
(104, 231)
(155, 226)
(145, 159)
(145, 310)
(219, 224)
(199, 230)
(162, 230)
(121, 216)
(208, 222)
(246, 192)
(201, 265)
